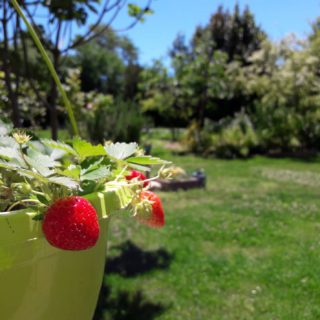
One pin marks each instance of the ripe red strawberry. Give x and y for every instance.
(71, 224)
(139, 176)
(149, 210)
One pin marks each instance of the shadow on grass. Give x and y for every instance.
(134, 261)
(128, 305)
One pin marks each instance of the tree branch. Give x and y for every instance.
(83, 39)
(91, 34)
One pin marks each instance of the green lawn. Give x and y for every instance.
(247, 247)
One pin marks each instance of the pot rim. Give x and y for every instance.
(19, 226)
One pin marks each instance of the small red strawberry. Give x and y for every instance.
(139, 176)
(71, 224)
(149, 210)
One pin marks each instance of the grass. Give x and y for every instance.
(246, 247)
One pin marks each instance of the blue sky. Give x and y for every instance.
(277, 17)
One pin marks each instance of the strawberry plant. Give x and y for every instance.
(42, 174)
(54, 178)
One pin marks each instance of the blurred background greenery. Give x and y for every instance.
(234, 91)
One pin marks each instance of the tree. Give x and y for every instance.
(284, 83)
(160, 97)
(108, 63)
(56, 22)
(235, 34)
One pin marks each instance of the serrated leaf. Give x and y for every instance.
(97, 174)
(37, 166)
(146, 160)
(64, 181)
(90, 164)
(8, 165)
(42, 159)
(6, 141)
(31, 174)
(57, 154)
(37, 146)
(121, 150)
(72, 171)
(59, 145)
(53, 153)
(8, 153)
(85, 149)
(5, 128)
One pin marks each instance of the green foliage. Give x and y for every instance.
(237, 34)
(113, 120)
(286, 101)
(230, 138)
(101, 117)
(104, 63)
(229, 67)
(235, 139)
(196, 139)
(71, 10)
(36, 172)
(160, 96)
(120, 150)
(137, 12)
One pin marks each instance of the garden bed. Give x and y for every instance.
(197, 180)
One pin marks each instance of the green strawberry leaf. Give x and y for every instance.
(72, 172)
(147, 160)
(39, 167)
(121, 150)
(8, 153)
(59, 145)
(5, 128)
(31, 174)
(42, 159)
(97, 174)
(85, 149)
(64, 181)
(90, 164)
(57, 154)
(8, 165)
(6, 141)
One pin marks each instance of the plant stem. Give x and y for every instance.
(22, 202)
(121, 173)
(49, 65)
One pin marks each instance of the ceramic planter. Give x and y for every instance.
(40, 282)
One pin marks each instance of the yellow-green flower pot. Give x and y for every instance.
(40, 282)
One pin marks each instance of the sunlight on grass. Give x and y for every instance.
(246, 247)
